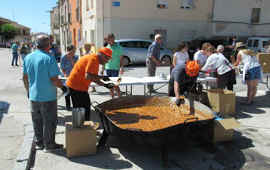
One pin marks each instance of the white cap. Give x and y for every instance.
(219, 47)
(157, 36)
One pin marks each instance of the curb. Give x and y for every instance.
(25, 158)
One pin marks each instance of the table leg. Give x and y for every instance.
(131, 90)
(144, 90)
(267, 85)
(126, 91)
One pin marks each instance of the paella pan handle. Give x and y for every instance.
(192, 118)
(95, 104)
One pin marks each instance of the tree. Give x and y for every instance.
(8, 31)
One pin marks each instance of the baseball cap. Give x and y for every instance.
(192, 68)
(106, 51)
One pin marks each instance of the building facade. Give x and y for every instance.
(23, 34)
(244, 18)
(76, 20)
(88, 21)
(65, 21)
(55, 24)
(177, 20)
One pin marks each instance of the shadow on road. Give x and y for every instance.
(4, 106)
(258, 107)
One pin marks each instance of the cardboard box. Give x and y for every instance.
(222, 101)
(264, 60)
(80, 141)
(224, 129)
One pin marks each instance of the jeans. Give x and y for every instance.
(44, 117)
(14, 59)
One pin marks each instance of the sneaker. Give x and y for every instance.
(53, 147)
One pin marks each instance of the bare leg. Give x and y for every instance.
(112, 92)
(117, 89)
(254, 85)
(250, 90)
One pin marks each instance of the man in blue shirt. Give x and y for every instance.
(153, 58)
(40, 76)
(14, 49)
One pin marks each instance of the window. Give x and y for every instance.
(162, 4)
(256, 43)
(186, 4)
(265, 44)
(145, 44)
(255, 15)
(93, 36)
(249, 43)
(92, 4)
(87, 5)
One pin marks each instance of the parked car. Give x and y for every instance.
(258, 44)
(135, 51)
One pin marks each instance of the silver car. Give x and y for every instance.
(135, 51)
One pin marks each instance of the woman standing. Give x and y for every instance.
(181, 56)
(251, 73)
(67, 63)
(217, 62)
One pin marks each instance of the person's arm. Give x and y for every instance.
(174, 60)
(208, 65)
(57, 82)
(154, 54)
(238, 59)
(62, 66)
(26, 83)
(95, 78)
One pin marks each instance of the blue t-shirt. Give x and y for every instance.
(14, 48)
(40, 67)
(66, 64)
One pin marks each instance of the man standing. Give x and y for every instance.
(83, 73)
(40, 77)
(115, 65)
(153, 58)
(15, 55)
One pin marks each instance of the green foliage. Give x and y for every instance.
(8, 31)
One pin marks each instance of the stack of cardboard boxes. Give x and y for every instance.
(223, 102)
(81, 141)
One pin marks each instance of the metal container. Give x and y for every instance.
(78, 116)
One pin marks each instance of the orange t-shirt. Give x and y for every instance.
(87, 64)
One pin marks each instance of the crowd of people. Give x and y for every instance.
(41, 71)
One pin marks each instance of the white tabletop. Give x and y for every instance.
(148, 80)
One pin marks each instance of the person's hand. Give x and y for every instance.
(64, 89)
(106, 78)
(109, 85)
(178, 101)
(121, 71)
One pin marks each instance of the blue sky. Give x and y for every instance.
(30, 13)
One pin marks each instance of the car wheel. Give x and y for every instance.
(126, 61)
(166, 60)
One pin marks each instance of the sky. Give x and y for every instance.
(31, 13)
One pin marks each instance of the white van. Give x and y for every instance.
(258, 44)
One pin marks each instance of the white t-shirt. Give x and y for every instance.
(249, 61)
(218, 62)
(200, 57)
(181, 58)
